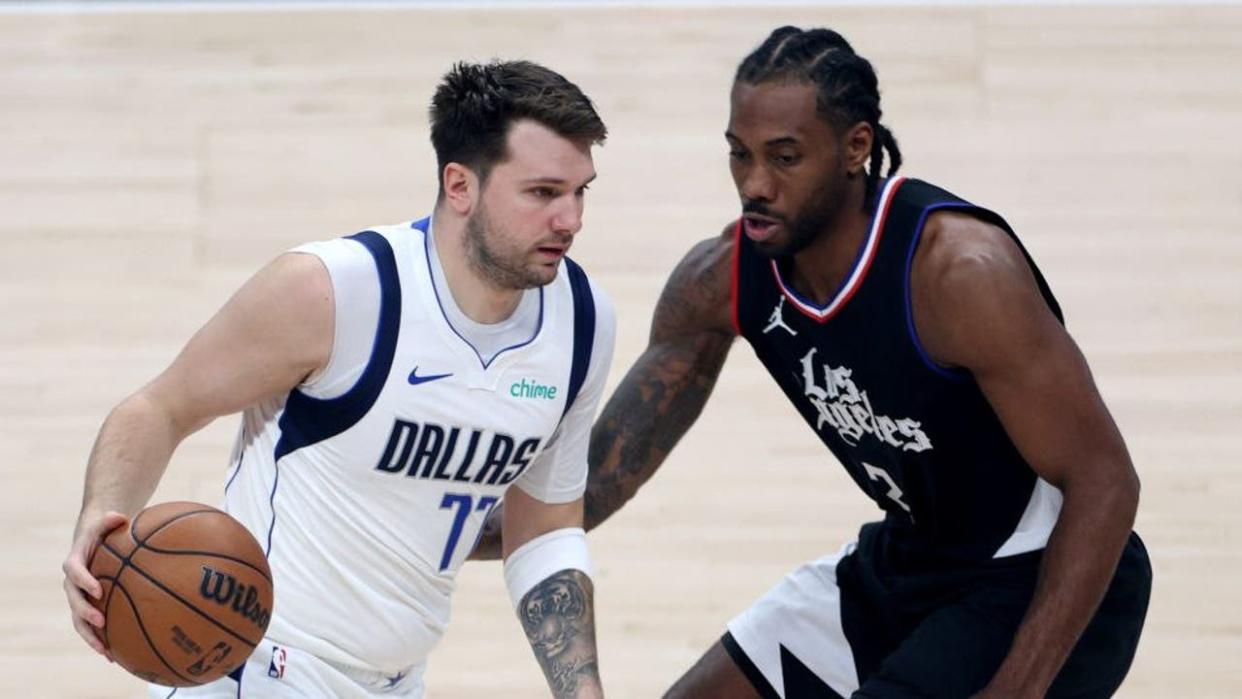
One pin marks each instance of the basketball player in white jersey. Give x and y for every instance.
(394, 384)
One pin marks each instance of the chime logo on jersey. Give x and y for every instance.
(848, 410)
(532, 389)
(431, 451)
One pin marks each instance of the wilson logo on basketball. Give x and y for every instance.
(224, 589)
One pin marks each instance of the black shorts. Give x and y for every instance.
(837, 628)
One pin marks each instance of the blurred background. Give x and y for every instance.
(153, 156)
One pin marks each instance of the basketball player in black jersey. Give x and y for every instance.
(922, 345)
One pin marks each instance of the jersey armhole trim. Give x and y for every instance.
(584, 331)
(733, 287)
(308, 420)
(939, 369)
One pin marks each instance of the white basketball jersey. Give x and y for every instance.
(368, 503)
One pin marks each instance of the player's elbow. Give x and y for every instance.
(149, 410)
(602, 499)
(1118, 496)
(1111, 489)
(1131, 489)
(1125, 488)
(1126, 500)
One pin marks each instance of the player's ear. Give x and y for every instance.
(857, 144)
(461, 188)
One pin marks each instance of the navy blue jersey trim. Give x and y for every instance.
(236, 676)
(241, 459)
(584, 330)
(271, 502)
(946, 372)
(309, 420)
(422, 225)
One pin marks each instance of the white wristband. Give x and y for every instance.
(542, 556)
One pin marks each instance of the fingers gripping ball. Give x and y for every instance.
(187, 593)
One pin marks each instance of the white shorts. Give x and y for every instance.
(796, 626)
(845, 626)
(276, 671)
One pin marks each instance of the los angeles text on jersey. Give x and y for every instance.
(432, 451)
(842, 405)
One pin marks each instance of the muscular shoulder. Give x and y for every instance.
(698, 293)
(971, 289)
(957, 248)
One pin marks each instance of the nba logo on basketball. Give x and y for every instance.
(276, 668)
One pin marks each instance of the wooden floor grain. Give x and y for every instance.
(150, 161)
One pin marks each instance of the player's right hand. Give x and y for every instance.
(79, 583)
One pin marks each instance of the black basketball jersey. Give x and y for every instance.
(920, 439)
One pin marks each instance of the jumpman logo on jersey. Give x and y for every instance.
(415, 379)
(777, 319)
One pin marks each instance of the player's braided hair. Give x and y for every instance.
(847, 88)
(476, 104)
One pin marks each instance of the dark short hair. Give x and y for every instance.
(476, 104)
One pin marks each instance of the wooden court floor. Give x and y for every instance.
(149, 161)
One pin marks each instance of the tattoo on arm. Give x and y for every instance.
(666, 389)
(662, 394)
(559, 619)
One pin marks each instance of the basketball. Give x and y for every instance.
(187, 593)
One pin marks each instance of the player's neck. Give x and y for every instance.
(476, 296)
(820, 268)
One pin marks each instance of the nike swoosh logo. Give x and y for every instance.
(415, 379)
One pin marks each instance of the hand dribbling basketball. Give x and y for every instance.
(181, 594)
(80, 586)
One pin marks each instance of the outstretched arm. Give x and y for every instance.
(666, 389)
(663, 393)
(977, 306)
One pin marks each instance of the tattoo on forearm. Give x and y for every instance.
(666, 389)
(559, 620)
(648, 414)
